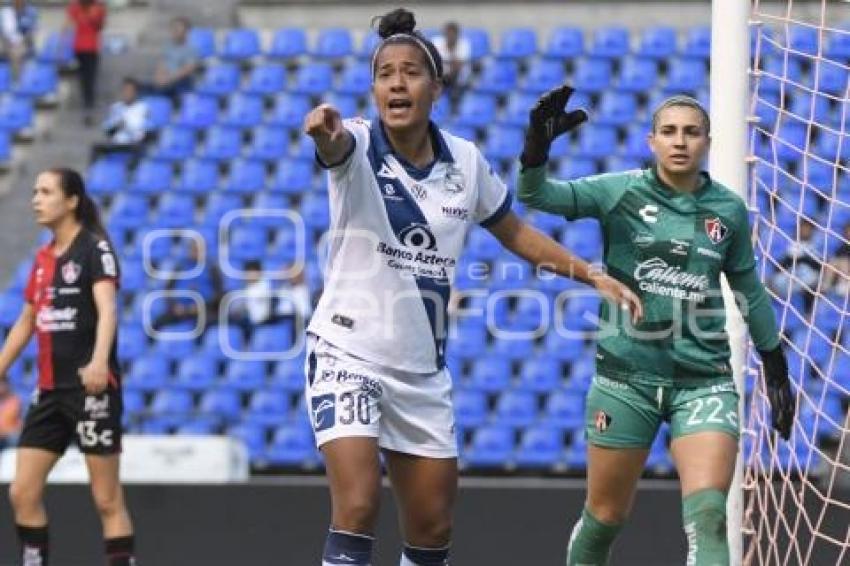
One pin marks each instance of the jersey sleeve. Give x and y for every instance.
(359, 131)
(592, 196)
(102, 262)
(739, 255)
(494, 198)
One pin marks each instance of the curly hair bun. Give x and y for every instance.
(397, 21)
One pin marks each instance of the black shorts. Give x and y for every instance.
(55, 418)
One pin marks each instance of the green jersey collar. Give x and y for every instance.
(656, 179)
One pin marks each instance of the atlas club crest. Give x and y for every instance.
(715, 229)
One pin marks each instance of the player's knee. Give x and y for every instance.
(429, 531)
(609, 514)
(24, 496)
(108, 503)
(355, 513)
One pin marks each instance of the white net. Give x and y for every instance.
(797, 494)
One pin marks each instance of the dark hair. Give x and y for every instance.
(399, 27)
(87, 213)
(253, 265)
(687, 102)
(130, 81)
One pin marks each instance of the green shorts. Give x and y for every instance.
(620, 414)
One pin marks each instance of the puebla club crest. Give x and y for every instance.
(715, 230)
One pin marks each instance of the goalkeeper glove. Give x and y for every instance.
(778, 390)
(546, 121)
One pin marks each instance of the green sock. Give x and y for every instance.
(704, 514)
(591, 541)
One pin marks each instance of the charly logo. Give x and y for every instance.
(649, 213)
(70, 272)
(418, 236)
(324, 412)
(715, 229)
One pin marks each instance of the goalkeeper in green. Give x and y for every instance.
(669, 232)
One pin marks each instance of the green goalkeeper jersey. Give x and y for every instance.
(669, 248)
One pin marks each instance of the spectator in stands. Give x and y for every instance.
(10, 414)
(456, 53)
(178, 64)
(126, 124)
(293, 302)
(800, 267)
(18, 23)
(207, 283)
(87, 18)
(838, 274)
(255, 307)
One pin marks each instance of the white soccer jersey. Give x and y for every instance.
(396, 233)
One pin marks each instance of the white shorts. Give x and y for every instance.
(407, 412)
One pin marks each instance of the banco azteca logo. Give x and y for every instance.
(418, 236)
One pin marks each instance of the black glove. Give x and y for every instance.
(778, 390)
(546, 121)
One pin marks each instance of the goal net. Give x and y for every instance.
(797, 493)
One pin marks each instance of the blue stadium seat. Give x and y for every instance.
(518, 43)
(197, 111)
(288, 376)
(356, 79)
(244, 375)
(253, 436)
(832, 77)
(347, 105)
(10, 308)
(149, 372)
(57, 49)
(618, 163)
(175, 211)
(609, 42)
(293, 176)
(175, 143)
(219, 80)
(313, 78)
(657, 42)
(564, 43)
(490, 374)
(159, 110)
(305, 148)
(314, 210)
(269, 143)
(133, 278)
(202, 425)
(178, 346)
(333, 43)
(616, 109)
(812, 107)
(224, 403)
(491, 447)
(543, 75)
(370, 42)
(218, 205)
(540, 447)
(479, 42)
(198, 176)
(244, 111)
(470, 408)
(564, 409)
(504, 142)
(574, 168)
(246, 176)
(638, 75)
(562, 346)
(540, 374)
(152, 176)
(685, 75)
(498, 76)
(518, 106)
(462, 131)
(292, 445)
(171, 401)
(37, 80)
(803, 39)
(272, 339)
(219, 337)
(196, 373)
(827, 146)
(776, 70)
(697, 42)
(16, 112)
(5, 77)
(596, 141)
(106, 177)
(269, 407)
(838, 43)
(203, 40)
(516, 408)
(636, 146)
(592, 75)
(290, 110)
(240, 44)
(790, 141)
(476, 110)
(133, 402)
(222, 143)
(288, 43)
(266, 79)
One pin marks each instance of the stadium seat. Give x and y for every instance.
(812, 107)
(838, 44)
(832, 146)
(498, 76)
(129, 210)
(106, 177)
(314, 210)
(333, 43)
(491, 447)
(803, 40)
(222, 144)
(596, 141)
(609, 42)
(288, 43)
(563, 346)
(347, 105)
(504, 142)
(203, 40)
(288, 375)
(574, 168)
(543, 75)
(269, 407)
(218, 338)
(658, 42)
(618, 163)
(269, 143)
(159, 110)
(491, 375)
(197, 111)
(790, 141)
(293, 176)
(272, 339)
(697, 42)
(171, 402)
(636, 146)
(313, 78)
(218, 205)
(244, 375)
(132, 340)
(152, 176)
(592, 75)
(518, 106)
(479, 42)
(565, 43)
(518, 43)
(476, 110)
(832, 77)
(685, 75)
(240, 44)
(175, 211)
(198, 176)
(564, 410)
(290, 110)
(244, 111)
(616, 109)
(5, 77)
(223, 403)
(57, 49)
(356, 79)
(540, 447)
(149, 372)
(292, 445)
(369, 43)
(175, 143)
(37, 80)
(266, 79)
(637, 75)
(246, 176)
(133, 403)
(219, 80)
(201, 425)
(540, 374)
(16, 113)
(470, 408)
(516, 408)
(196, 373)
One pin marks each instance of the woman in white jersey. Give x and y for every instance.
(403, 194)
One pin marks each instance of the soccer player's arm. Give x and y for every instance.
(586, 197)
(335, 143)
(21, 331)
(104, 291)
(750, 294)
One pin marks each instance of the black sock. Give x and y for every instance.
(33, 545)
(119, 551)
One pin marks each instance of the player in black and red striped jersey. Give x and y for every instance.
(70, 306)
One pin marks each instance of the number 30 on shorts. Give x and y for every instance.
(706, 411)
(353, 406)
